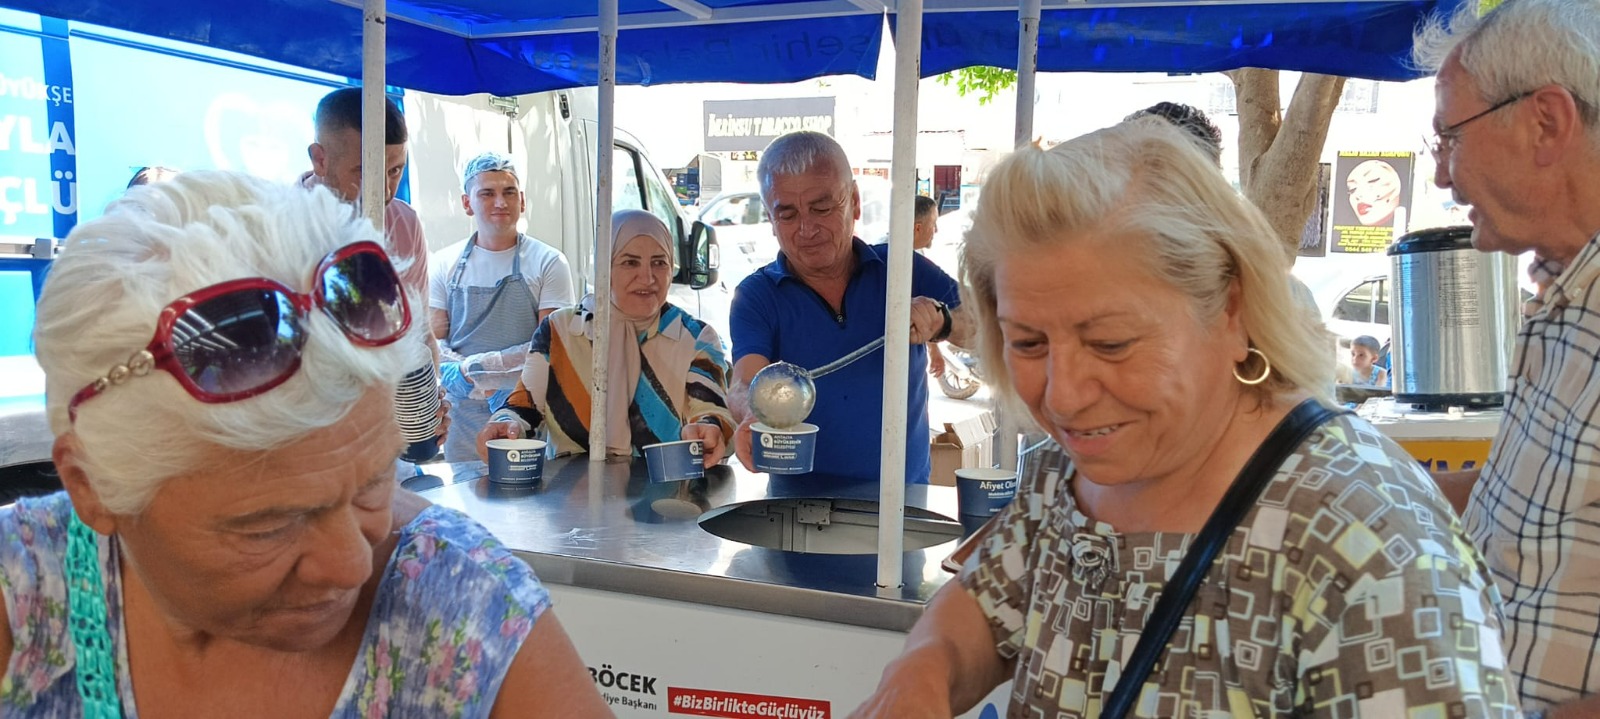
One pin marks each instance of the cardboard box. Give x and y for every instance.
(968, 443)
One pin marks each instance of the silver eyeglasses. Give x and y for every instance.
(1445, 138)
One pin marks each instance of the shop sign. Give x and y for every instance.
(750, 125)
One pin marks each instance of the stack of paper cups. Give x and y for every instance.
(416, 409)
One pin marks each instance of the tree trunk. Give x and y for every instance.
(1279, 153)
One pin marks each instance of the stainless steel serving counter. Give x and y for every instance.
(604, 526)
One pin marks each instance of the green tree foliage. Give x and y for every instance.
(986, 82)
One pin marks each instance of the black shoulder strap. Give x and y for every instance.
(1240, 498)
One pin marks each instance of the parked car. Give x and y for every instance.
(1362, 309)
(744, 230)
(1352, 307)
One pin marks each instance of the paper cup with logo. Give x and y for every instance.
(516, 461)
(783, 451)
(422, 451)
(675, 461)
(983, 492)
(970, 525)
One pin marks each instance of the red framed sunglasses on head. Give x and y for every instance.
(237, 339)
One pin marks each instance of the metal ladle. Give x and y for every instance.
(782, 394)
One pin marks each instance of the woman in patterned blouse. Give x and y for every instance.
(1139, 311)
(669, 374)
(220, 358)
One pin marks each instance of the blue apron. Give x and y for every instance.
(484, 319)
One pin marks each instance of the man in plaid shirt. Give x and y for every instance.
(1518, 138)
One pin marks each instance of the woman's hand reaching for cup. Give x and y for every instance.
(710, 437)
(496, 430)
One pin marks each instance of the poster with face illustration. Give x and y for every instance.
(1371, 200)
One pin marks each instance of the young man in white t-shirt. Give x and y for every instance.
(483, 318)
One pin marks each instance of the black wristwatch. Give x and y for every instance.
(949, 322)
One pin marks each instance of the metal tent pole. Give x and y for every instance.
(602, 233)
(1006, 428)
(1027, 68)
(373, 69)
(897, 356)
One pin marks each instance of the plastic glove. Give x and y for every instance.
(498, 399)
(454, 382)
(496, 370)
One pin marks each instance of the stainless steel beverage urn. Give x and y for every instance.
(1455, 315)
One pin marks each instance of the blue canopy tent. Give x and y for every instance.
(512, 47)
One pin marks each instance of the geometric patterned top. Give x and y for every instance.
(1349, 590)
(1535, 509)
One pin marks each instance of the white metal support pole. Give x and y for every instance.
(602, 232)
(1006, 429)
(1027, 68)
(373, 128)
(896, 355)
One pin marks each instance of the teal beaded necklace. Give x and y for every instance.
(86, 618)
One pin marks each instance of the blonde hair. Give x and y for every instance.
(159, 242)
(1147, 179)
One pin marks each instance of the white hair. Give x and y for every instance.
(798, 153)
(159, 242)
(1149, 179)
(488, 162)
(1520, 46)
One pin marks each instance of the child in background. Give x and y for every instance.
(1364, 353)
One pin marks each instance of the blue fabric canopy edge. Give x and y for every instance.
(325, 36)
(1358, 39)
(1370, 40)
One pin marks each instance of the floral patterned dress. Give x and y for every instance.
(453, 609)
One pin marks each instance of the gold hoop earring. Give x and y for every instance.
(1266, 369)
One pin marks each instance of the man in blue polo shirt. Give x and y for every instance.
(823, 297)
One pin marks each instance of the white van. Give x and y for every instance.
(554, 137)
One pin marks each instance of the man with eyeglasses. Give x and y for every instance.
(1518, 139)
(822, 298)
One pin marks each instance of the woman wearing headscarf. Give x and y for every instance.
(669, 375)
(1216, 541)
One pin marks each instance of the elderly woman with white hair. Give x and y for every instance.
(220, 357)
(1216, 541)
(668, 373)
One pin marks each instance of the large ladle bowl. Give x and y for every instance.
(783, 394)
